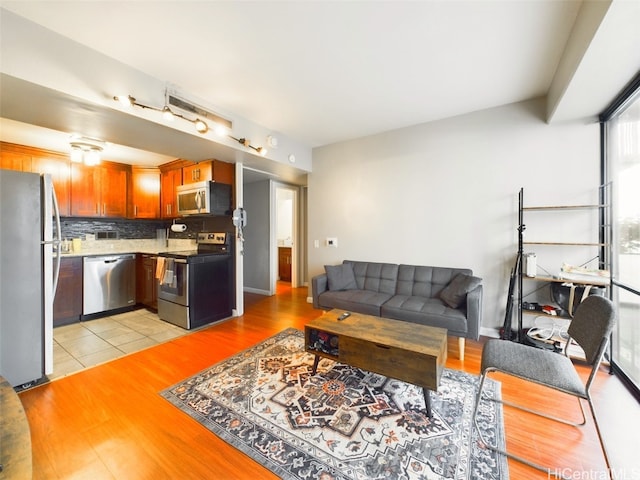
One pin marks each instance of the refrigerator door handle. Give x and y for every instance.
(56, 215)
(55, 242)
(50, 215)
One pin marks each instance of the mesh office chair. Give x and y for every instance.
(590, 329)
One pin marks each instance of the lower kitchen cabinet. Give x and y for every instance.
(146, 283)
(67, 304)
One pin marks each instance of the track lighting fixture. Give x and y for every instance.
(247, 143)
(221, 125)
(201, 126)
(125, 100)
(167, 113)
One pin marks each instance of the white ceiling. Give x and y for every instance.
(327, 71)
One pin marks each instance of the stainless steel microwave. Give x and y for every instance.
(204, 198)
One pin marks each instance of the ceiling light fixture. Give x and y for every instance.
(86, 150)
(247, 143)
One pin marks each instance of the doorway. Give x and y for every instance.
(285, 231)
(258, 264)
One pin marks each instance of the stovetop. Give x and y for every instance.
(179, 253)
(208, 244)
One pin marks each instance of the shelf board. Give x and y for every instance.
(574, 244)
(597, 281)
(564, 207)
(539, 313)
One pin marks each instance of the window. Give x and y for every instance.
(621, 167)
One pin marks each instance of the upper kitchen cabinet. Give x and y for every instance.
(99, 191)
(198, 172)
(169, 180)
(14, 157)
(58, 166)
(145, 193)
(36, 160)
(221, 172)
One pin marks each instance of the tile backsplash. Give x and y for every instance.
(140, 229)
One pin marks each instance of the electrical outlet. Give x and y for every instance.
(332, 242)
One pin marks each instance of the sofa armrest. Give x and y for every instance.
(474, 312)
(319, 284)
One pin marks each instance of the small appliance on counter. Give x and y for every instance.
(196, 287)
(530, 264)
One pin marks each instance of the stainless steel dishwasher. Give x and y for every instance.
(109, 283)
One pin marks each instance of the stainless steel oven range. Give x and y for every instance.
(196, 286)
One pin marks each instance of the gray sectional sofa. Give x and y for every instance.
(443, 297)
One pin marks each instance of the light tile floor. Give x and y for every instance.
(92, 342)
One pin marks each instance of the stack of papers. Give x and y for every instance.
(585, 275)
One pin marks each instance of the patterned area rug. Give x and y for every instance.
(343, 422)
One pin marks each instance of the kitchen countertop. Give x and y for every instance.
(115, 247)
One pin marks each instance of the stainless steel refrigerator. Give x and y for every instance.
(29, 268)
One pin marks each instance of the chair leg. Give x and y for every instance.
(604, 449)
(550, 417)
(557, 473)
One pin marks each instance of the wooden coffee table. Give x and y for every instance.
(405, 351)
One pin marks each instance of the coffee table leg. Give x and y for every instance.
(315, 364)
(427, 401)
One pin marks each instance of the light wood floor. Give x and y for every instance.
(109, 422)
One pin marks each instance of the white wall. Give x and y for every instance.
(446, 193)
(257, 254)
(284, 216)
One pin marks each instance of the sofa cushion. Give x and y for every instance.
(424, 281)
(340, 277)
(377, 277)
(361, 301)
(425, 311)
(455, 293)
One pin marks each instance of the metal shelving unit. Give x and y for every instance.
(603, 245)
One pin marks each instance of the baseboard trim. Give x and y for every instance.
(490, 332)
(257, 290)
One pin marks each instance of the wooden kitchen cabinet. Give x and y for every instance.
(169, 181)
(37, 160)
(12, 158)
(145, 193)
(198, 172)
(67, 304)
(59, 167)
(284, 263)
(146, 282)
(99, 191)
(221, 172)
